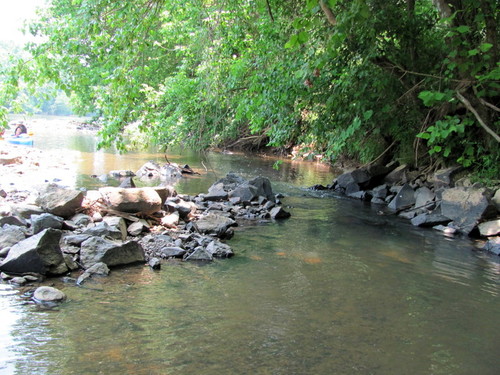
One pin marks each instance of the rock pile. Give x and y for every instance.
(440, 201)
(69, 230)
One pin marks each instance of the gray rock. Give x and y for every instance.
(99, 269)
(231, 181)
(133, 200)
(4, 252)
(118, 223)
(380, 191)
(59, 201)
(10, 235)
(40, 253)
(489, 228)
(81, 219)
(97, 249)
(26, 210)
(200, 254)
(444, 177)
(172, 252)
(103, 229)
(45, 221)
(76, 239)
(70, 262)
(127, 183)
(279, 212)
(137, 228)
(493, 246)
(399, 174)
(154, 263)
(13, 220)
(121, 173)
(496, 199)
(216, 193)
(47, 294)
(19, 280)
(219, 250)
(403, 199)
(214, 224)
(245, 192)
(424, 197)
(466, 207)
(264, 187)
(429, 220)
(357, 176)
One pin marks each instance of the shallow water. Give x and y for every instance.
(336, 289)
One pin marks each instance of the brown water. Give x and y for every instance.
(335, 289)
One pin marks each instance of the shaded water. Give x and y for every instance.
(335, 289)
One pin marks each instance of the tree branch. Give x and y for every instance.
(479, 119)
(269, 10)
(328, 13)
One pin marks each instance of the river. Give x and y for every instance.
(335, 289)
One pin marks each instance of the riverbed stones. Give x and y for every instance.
(112, 253)
(59, 201)
(39, 253)
(47, 294)
(133, 200)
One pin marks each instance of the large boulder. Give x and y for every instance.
(133, 200)
(111, 253)
(214, 224)
(10, 235)
(40, 253)
(467, 207)
(59, 201)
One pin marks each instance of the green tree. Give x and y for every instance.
(415, 80)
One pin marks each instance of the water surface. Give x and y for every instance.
(336, 289)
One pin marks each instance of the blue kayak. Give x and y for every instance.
(22, 139)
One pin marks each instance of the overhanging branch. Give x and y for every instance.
(478, 118)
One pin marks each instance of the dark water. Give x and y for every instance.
(336, 289)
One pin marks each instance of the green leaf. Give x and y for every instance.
(303, 37)
(462, 29)
(485, 47)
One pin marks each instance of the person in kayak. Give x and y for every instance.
(20, 129)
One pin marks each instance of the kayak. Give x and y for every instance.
(22, 139)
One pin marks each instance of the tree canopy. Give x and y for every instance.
(416, 80)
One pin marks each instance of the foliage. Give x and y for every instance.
(353, 78)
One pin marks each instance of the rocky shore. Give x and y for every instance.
(52, 231)
(443, 200)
